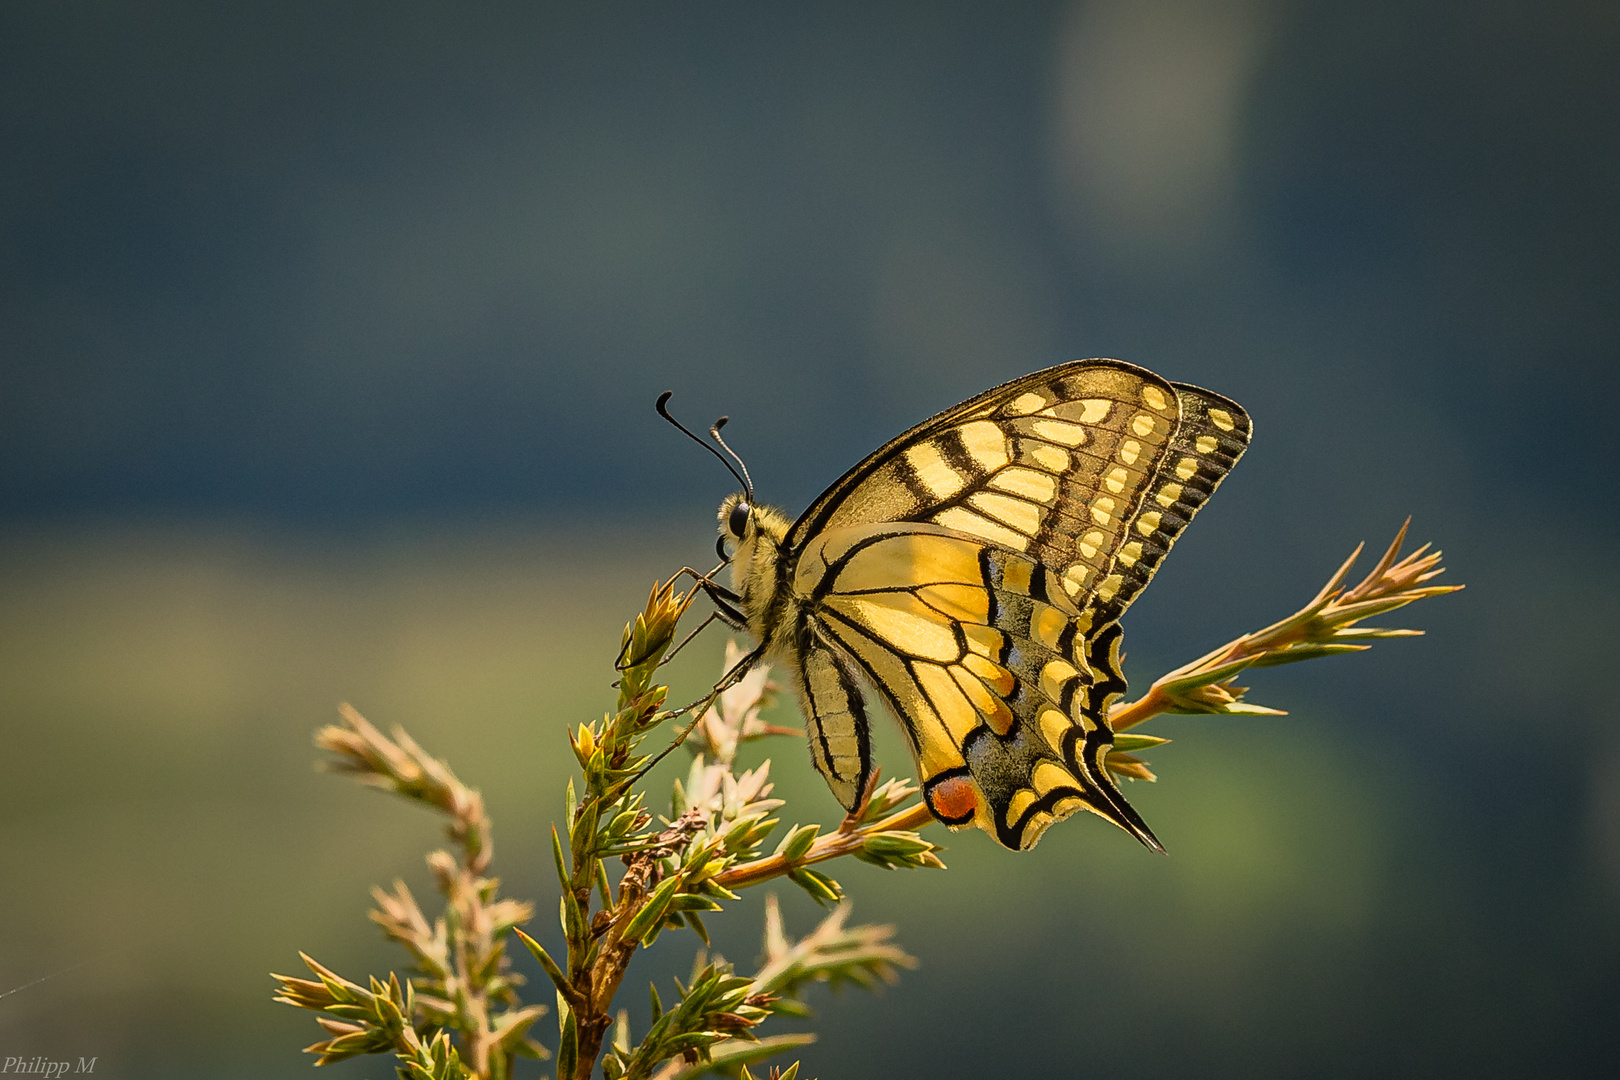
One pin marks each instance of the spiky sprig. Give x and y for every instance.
(461, 983)
(1326, 626)
(370, 1021)
(831, 953)
(675, 868)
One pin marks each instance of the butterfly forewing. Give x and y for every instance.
(1009, 459)
(1212, 435)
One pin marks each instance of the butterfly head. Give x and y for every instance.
(736, 515)
(743, 525)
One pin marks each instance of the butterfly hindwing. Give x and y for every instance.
(982, 658)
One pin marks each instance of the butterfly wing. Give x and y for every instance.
(972, 570)
(977, 651)
(1092, 468)
(840, 737)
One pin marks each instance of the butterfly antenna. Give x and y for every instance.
(742, 477)
(714, 432)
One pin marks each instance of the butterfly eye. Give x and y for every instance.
(737, 523)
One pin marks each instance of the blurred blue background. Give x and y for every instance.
(329, 336)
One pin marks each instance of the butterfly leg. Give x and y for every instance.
(726, 613)
(729, 603)
(713, 616)
(727, 681)
(701, 705)
(701, 579)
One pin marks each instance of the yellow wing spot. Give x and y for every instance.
(1050, 457)
(1026, 403)
(1148, 522)
(999, 718)
(907, 559)
(996, 677)
(1047, 624)
(1064, 807)
(1142, 424)
(1060, 431)
(1205, 444)
(1039, 822)
(1096, 410)
(965, 603)
(1168, 495)
(1054, 726)
(1116, 478)
(955, 711)
(1154, 397)
(1049, 775)
(1026, 482)
(995, 711)
(1109, 586)
(1186, 467)
(985, 442)
(984, 640)
(964, 520)
(982, 699)
(1221, 419)
(1078, 708)
(1016, 574)
(833, 717)
(1102, 509)
(940, 480)
(1021, 514)
(903, 622)
(1074, 578)
(1129, 451)
(1131, 553)
(1021, 801)
(1091, 543)
(1054, 675)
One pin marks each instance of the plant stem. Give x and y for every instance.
(826, 847)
